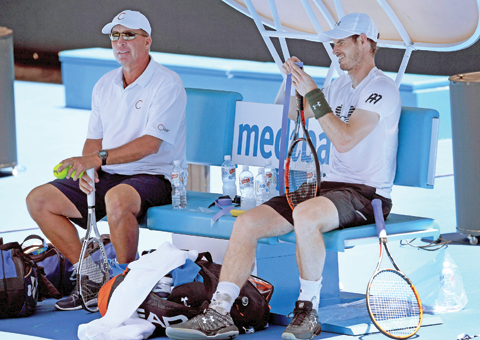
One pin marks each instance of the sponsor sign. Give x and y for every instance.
(257, 135)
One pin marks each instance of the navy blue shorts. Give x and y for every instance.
(353, 203)
(154, 190)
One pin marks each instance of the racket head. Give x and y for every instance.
(302, 172)
(393, 304)
(93, 268)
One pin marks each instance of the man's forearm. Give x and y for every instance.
(133, 151)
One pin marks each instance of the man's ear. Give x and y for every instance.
(148, 41)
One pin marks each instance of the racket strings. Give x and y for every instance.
(394, 304)
(302, 175)
(93, 272)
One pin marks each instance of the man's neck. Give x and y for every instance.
(132, 72)
(361, 72)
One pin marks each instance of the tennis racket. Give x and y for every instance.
(302, 169)
(393, 302)
(93, 268)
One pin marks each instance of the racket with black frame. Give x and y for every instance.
(393, 302)
(302, 169)
(93, 268)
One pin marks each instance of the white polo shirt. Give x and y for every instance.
(372, 161)
(152, 105)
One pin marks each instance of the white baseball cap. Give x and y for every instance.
(351, 24)
(131, 19)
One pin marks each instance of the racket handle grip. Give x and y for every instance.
(298, 95)
(91, 196)
(379, 221)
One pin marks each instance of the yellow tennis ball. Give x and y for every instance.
(73, 174)
(62, 174)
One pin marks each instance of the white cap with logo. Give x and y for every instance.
(351, 24)
(130, 19)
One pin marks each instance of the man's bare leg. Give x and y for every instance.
(49, 208)
(249, 227)
(123, 205)
(312, 218)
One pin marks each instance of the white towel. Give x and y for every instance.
(121, 321)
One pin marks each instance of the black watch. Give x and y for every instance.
(103, 154)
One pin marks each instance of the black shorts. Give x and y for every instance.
(353, 203)
(153, 189)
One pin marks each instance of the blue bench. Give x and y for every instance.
(210, 128)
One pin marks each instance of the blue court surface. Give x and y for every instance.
(47, 132)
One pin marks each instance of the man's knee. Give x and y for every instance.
(308, 219)
(122, 200)
(38, 199)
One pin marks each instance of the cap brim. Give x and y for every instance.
(107, 29)
(334, 34)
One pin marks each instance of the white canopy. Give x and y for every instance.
(433, 25)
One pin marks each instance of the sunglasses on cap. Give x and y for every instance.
(127, 36)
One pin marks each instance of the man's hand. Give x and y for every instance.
(302, 81)
(79, 165)
(85, 183)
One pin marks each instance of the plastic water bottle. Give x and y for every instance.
(262, 191)
(272, 176)
(448, 299)
(311, 170)
(247, 189)
(179, 188)
(229, 177)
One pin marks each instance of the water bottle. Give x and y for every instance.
(272, 176)
(262, 191)
(448, 299)
(229, 177)
(311, 171)
(179, 188)
(247, 189)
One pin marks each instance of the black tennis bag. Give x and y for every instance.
(18, 282)
(57, 268)
(249, 312)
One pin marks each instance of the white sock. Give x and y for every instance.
(224, 297)
(310, 291)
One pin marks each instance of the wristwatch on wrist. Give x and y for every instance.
(103, 154)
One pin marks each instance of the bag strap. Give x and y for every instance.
(34, 237)
(205, 255)
(10, 245)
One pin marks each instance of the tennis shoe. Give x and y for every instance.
(73, 301)
(304, 323)
(208, 325)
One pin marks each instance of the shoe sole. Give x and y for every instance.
(190, 334)
(78, 307)
(291, 336)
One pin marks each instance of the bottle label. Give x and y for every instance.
(228, 174)
(245, 181)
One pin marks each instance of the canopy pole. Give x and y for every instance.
(262, 30)
(318, 28)
(403, 66)
(278, 26)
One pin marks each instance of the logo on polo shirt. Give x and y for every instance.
(374, 98)
(162, 127)
(138, 105)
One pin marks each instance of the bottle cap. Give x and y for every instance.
(245, 167)
(176, 162)
(261, 170)
(227, 157)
